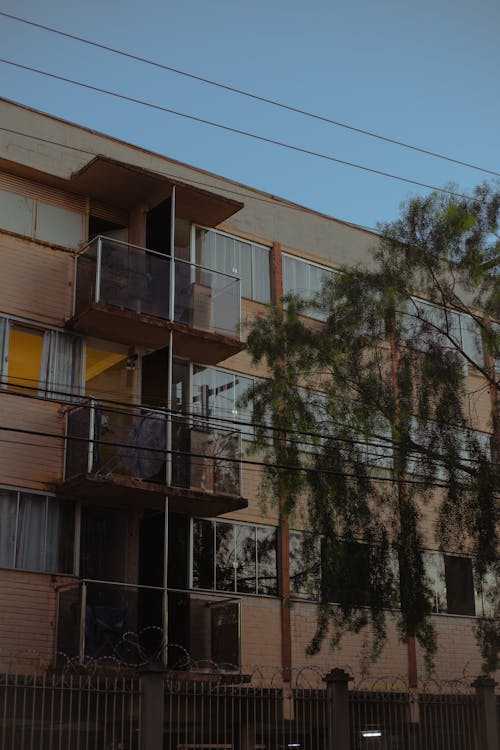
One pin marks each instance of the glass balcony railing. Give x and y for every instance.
(144, 444)
(125, 622)
(145, 282)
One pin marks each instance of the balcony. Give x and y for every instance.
(132, 295)
(122, 454)
(124, 622)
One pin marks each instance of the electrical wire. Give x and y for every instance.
(226, 459)
(272, 201)
(248, 94)
(237, 131)
(362, 445)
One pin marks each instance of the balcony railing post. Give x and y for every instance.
(92, 420)
(171, 311)
(83, 617)
(98, 270)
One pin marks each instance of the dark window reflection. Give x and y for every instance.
(244, 557)
(266, 557)
(224, 557)
(203, 555)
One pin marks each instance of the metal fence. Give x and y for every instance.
(437, 716)
(253, 713)
(108, 705)
(75, 709)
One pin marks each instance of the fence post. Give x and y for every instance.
(152, 707)
(487, 719)
(337, 697)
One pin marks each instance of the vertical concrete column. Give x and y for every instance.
(337, 697)
(152, 707)
(487, 718)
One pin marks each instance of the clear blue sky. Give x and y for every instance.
(423, 72)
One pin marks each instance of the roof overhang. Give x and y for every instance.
(125, 186)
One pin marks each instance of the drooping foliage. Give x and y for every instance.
(372, 419)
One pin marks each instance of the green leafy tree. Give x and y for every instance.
(370, 418)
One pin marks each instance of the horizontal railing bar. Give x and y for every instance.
(155, 252)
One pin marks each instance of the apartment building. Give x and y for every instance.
(129, 506)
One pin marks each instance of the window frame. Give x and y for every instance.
(46, 498)
(237, 274)
(43, 387)
(329, 270)
(438, 584)
(268, 528)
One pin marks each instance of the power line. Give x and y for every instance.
(162, 413)
(250, 94)
(240, 193)
(237, 131)
(225, 459)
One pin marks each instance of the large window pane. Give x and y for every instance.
(224, 557)
(304, 573)
(260, 275)
(304, 279)
(203, 554)
(434, 569)
(245, 557)
(246, 579)
(236, 257)
(266, 561)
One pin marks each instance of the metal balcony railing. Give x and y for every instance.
(146, 282)
(133, 442)
(127, 622)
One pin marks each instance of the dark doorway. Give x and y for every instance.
(155, 378)
(158, 223)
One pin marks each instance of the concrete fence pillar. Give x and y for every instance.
(487, 719)
(337, 694)
(152, 707)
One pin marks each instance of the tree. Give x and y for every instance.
(371, 418)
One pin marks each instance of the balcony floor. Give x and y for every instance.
(118, 489)
(114, 323)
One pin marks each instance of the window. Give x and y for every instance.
(35, 360)
(236, 257)
(468, 442)
(440, 324)
(347, 560)
(36, 532)
(234, 557)
(304, 279)
(41, 220)
(451, 582)
(304, 576)
(216, 393)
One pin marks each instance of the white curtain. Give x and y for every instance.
(61, 364)
(31, 532)
(53, 536)
(8, 512)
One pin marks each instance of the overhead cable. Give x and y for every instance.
(237, 131)
(248, 94)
